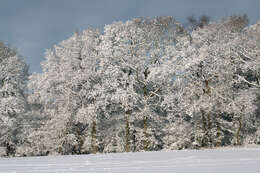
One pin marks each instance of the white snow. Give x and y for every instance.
(186, 161)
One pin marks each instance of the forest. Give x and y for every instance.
(146, 84)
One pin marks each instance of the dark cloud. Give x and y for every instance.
(33, 26)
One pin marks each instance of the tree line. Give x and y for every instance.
(140, 85)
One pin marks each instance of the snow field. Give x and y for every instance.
(187, 161)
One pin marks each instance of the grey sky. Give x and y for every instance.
(32, 26)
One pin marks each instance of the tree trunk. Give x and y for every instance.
(146, 142)
(127, 132)
(218, 143)
(209, 121)
(238, 142)
(134, 140)
(204, 122)
(94, 138)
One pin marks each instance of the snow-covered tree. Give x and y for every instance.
(149, 84)
(13, 105)
(246, 48)
(134, 49)
(210, 83)
(71, 89)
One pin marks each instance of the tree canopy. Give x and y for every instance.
(140, 85)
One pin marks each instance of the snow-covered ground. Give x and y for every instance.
(189, 161)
